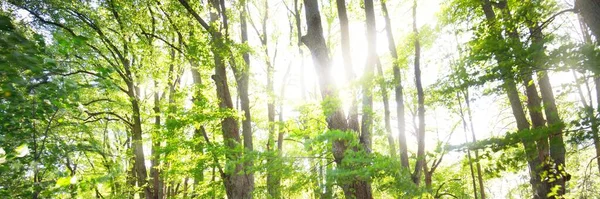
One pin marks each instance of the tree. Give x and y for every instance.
(419, 165)
(237, 185)
(589, 11)
(315, 42)
(397, 88)
(345, 40)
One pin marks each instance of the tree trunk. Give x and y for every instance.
(386, 109)
(273, 179)
(428, 177)
(555, 124)
(368, 76)
(237, 185)
(540, 186)
(537, 119)
(298, 20)
(131, 178)
(419, 165)
(242, 79)
(237, 182)
(590, 11)
(350, 76)
(335, 118)
(367, 90)
(464, 122)
(591, 114)
(138, 147)
(512, 92)
(595, 136)
(157, 186)
(397, 89)
(474, 140)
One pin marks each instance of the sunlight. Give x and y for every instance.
(101, 99)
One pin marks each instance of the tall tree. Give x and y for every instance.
(242, 78)
(336, 119)
(419, 165)
(464, 123)
(237, 183)
(273, 178)
(531, 148)
(346, 54)
(590, 18)
(474, 140)
(368, 76)
(397, 88)
(386, 109)
(556, 143)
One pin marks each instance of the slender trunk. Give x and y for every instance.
(367, 90)
(242, 79)
(298, 20)
(595, 136)
(555, 124)
(464, 122)
(523, 125)
(587, 38)
(281, 99)
(386, 109)
(336, 119)
(416, 177)
(185, 187)
(131, 177)
(428, 177)
(273, 180)
(540, 186)
(512, 92)
(242, 82)
(557, 144)
(474, 140)
(397, 88)
(138, 147)
(237, 182)
(346, 55)
(155, 163)
(368, 76)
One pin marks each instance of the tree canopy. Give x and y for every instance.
(299, 99)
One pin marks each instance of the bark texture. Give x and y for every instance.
(386, 109)
(590, 11)
(420, 164)
(517, 108)
(237, 182)
(335, 117)
(554, 123)
(346, 55)
(397, 88)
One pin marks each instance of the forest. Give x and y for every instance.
(355, 99)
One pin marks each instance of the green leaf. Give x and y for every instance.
(64, 181)
(22, 151)
(530, 83)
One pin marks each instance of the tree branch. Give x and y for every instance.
(94, 114)
(203, 23)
